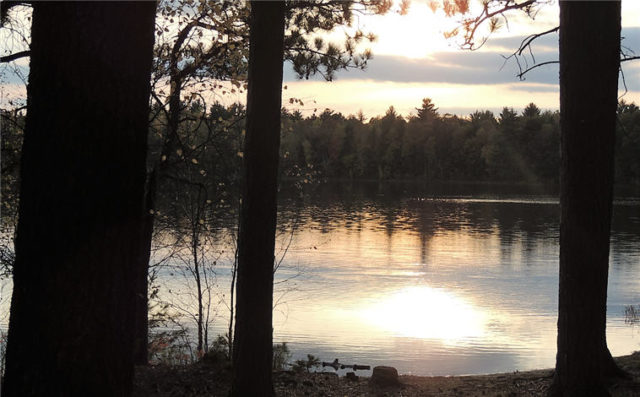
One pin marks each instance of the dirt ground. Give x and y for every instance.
(213, 379)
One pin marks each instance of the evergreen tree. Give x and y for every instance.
(81, 200)
(588, 98)
(252, 348)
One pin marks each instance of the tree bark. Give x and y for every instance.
(252, 353)
(81, 200)
(589, 64)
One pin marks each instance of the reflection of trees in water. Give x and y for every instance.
(526, 229)
(625, 236)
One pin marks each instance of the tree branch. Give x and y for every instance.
(524, 45)
(529, 39)
(537, 65)
(486, 15)
(13, 57)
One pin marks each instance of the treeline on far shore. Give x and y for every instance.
(511, 146)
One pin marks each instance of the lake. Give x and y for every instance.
(442, 279)
(434, 279)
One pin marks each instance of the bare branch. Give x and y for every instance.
(537, 65)
(525, 44)
(13, 57)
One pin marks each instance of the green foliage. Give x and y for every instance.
(628, 143)
(513, 147)
(281, 356)
(429, 146)
(309, 53)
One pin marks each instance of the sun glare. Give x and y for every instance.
(427, 313)
(418, 34)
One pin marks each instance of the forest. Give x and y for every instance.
(510, 147)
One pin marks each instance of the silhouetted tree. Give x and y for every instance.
(588, 100)
(185, 62)
(628, 143)
(252, 348)
(81, 200)
(428, 110)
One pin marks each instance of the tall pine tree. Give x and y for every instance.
(81, 200)
(252, 349)
(589, 65)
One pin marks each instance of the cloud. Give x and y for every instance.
(482, 67)
(374, 97)
(445, 67)
(528, 87)
(631, 38)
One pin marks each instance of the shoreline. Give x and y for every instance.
(213, 379)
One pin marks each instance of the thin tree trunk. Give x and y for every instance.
(232, 290)
(252, 353)
(589, 64)
(81, 200)
(196, 273)
(141, 330)
(141, 343)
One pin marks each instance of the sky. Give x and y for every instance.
(412, 60)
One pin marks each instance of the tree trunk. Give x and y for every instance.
(232, 290)
(81, 200)
(589, 64)
(141, 320)
(195, 237)
(252, 353)
(157, 175)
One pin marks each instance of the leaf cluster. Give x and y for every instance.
(310, 53)
(493, 13)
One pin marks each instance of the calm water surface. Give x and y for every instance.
(438, 280)
(433, 280)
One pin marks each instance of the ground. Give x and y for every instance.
(213, 379)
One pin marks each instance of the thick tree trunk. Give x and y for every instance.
(252, 353)
(589, 63)
(81, 200)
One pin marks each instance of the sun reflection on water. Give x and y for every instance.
(427, 313)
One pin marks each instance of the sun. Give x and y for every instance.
(418, 34)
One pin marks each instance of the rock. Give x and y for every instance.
(307, 383)
(385, 376)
